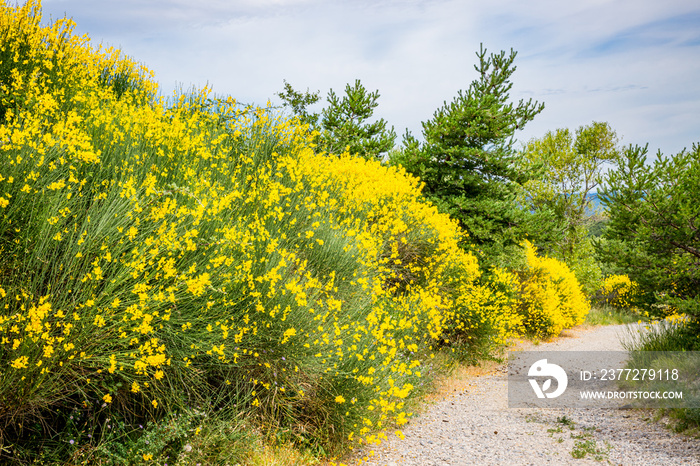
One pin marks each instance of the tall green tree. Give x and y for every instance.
(569, 167)
(654, 229)
(467, 160)
(345, 123)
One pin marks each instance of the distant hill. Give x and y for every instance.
(596, 206)
(599, 218)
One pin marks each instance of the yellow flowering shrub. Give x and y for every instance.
(551, 298)
(156, 253)
(502, 305)
(618, 291)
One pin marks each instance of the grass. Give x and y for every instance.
(585, 444)
(565, 421)
(609, 315)
(666, 335)
(662, 345)
(589, 447)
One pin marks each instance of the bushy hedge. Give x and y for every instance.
(550, 299)
(193, 255)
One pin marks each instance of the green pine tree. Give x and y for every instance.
(654, 230)
(467, 161)
(345, 122)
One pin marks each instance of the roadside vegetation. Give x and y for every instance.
(653, 237)
(189, 280)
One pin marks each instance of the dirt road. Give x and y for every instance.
(472, 424)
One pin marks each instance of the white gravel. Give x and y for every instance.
(475, 426)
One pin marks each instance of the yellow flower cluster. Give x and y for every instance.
(157, 244)
(619, 291)
(551, 298)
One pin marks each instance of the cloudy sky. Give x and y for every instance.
(632, 63)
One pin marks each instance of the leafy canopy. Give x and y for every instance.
(568, 166)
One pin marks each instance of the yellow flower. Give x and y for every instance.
(99, 321)
(107, 398)
(20, 363)
(196, 285)
(290, 332)
(339, 399)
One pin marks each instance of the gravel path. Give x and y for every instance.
(473, 425)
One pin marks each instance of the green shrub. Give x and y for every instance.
(651, 345)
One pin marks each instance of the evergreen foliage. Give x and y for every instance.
(654, 229)
(345, 122)
(299, 102)
(346, 127)
(467, 161)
